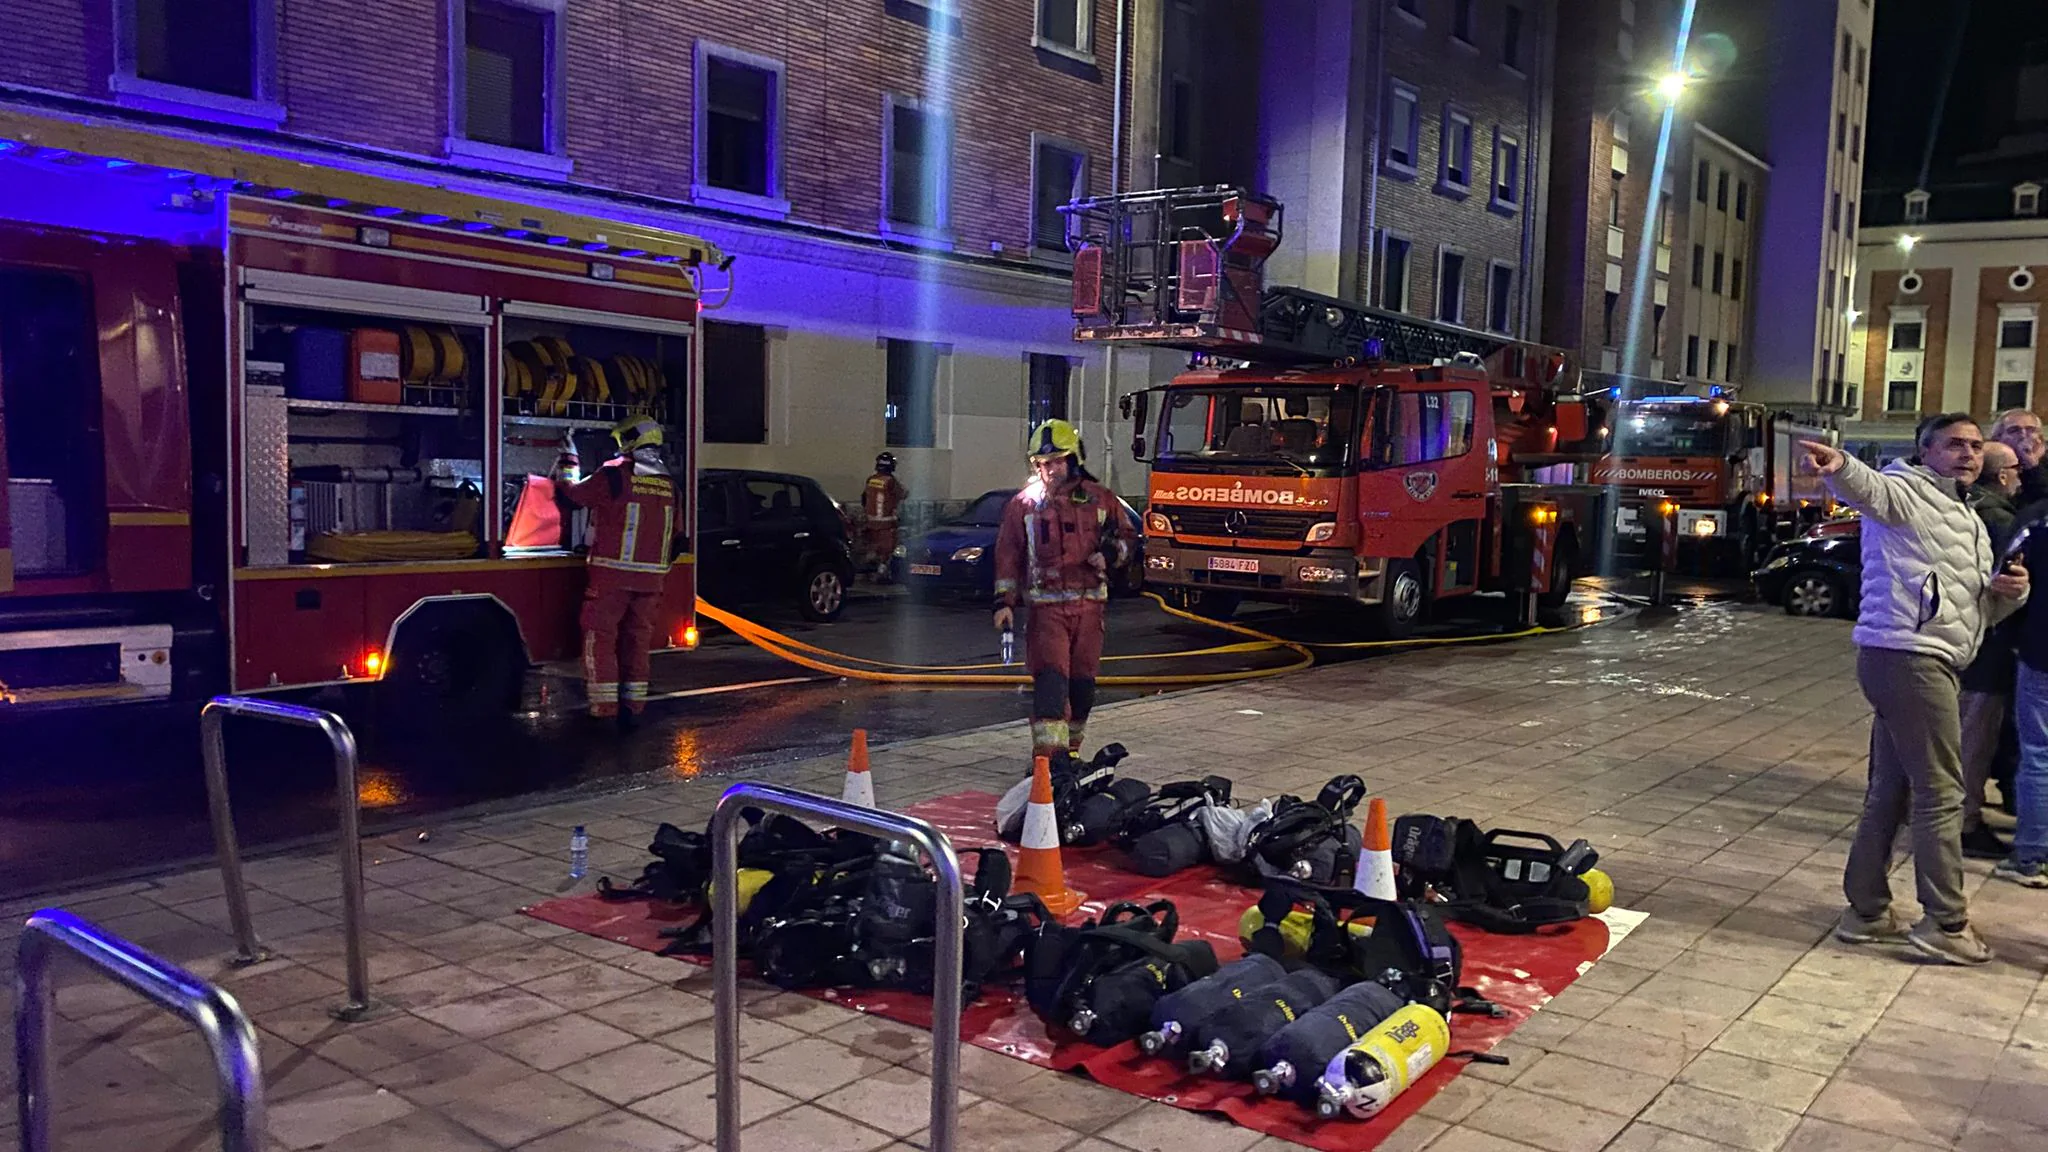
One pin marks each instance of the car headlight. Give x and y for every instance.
(902, 551)
(1158, 524)
(1320, 533)
(968, 555)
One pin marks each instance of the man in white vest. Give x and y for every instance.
(1930, 589)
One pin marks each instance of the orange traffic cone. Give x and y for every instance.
(860, 786)
(1039, 870)
(1376, 858)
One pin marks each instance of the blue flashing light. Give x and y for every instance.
(386, 210)
(476, 226)
(595, 246)
(558, 240)
(1673, 400)
(666, 259)
(336, 202)
(1714, 391)
(115, 165)
(634, 253)
(1375, 349)
(284, 193)
(9, 145)
(516, 233)
(1615, 391)
(433, 218)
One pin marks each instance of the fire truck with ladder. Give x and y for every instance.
(1317, 450)
(1731, 468)
(267, 422)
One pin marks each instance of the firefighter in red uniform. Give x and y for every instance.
(632, 506)
(1060, 537)
(879, 502)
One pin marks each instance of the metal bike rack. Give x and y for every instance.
(725, 931)
(344, 742)
(229, 1035)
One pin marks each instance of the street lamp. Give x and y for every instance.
(1854, 315)
(1672, 86)
(1906, 244)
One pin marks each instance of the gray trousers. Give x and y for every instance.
(1915, 769)
(1983, 722)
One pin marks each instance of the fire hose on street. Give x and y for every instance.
(850, 667)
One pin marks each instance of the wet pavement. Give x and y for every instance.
(90, 795)
(1714, 755)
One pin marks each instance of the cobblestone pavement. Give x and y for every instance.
(1716, 759)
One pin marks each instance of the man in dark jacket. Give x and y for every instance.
(1987, 684)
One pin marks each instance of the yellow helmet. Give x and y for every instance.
(1056, 438)
(639, 432)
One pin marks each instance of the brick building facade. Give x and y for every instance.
(884, 170)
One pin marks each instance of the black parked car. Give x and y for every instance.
(960, 554)
(1820, 573)
(763, 536)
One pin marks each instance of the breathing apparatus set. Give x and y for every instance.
(1502, 881)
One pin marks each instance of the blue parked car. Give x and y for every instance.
(960, 554)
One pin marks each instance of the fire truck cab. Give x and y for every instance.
(267, 422)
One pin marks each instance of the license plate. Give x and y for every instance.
(1233, 564)
(924, 569)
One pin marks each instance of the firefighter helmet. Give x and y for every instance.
(639, 432)
(1056, 438)
(886, 463)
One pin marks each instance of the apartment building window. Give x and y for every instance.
(1902, 396)
(1507, 171)
(1455, 171)
(1835, 213)
(2015, 332)
(1742, 200)
(1841, 131)
(1827, 291)
(1735, 279)
(510, 76)
(1665, 213)
(1701, 178)
(1849, 221)
(1720, 281)
(1059, 173)
(1500, 297)
(1394, 252)
(910, 415)
(1733, 370)
(2012, 394)
(218, 55)
(1699, 265)
(1856, 142)
(1721, 191)
(1050, 379)
(1614, 203)
(1450, 287)
(1907, 335)
(1180, 119)
(2026, 199)
(918, 171)
(1862, 62)
(1846, 45)
(1461, 20)
(739, 134)
(1692, 356)
(1609, 304)
(1511, 37)
(735, 383)
(1404, 126)
(1917, 202)
(1064, 25)
(1713, 359)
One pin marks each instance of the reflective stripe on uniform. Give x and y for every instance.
(631, 536)
(1049, 734)
(602, 693)
(633, 690)
(626, 565)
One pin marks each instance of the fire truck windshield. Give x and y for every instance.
(1689, 431)
(1300, 428)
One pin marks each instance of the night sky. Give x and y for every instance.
(1913, 41)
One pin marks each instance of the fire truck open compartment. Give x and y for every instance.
(298, 406)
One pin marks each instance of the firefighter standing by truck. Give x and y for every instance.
(1061, 535)
(879, 503)
(632, 504)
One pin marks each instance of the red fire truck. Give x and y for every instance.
(1319, 451)
(1731, 467)
(266, 423)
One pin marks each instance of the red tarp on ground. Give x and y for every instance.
(1517, 972)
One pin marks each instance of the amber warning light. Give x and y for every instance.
(373, 663)
(687, 638)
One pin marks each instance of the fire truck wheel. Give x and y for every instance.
(1563, 565)
(1400, 610)
(452, 660)
(823, 595)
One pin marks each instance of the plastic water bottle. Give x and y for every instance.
(579, 853)
(1009, 646)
